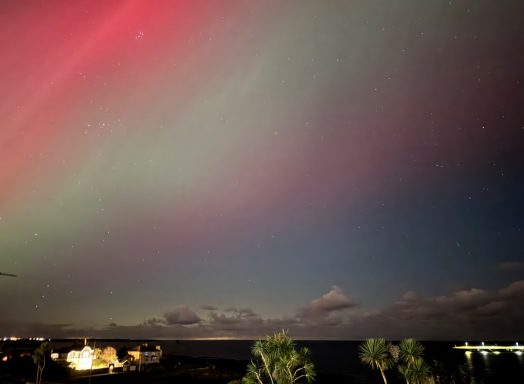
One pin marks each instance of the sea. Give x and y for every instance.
(341, 358)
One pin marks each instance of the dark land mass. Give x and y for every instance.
(335, 362)
(173, 370)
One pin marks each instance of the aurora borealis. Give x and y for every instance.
(341, 169)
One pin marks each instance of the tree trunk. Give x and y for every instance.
(383, 376)
(42, 371)
(38, 374)
(270, 374)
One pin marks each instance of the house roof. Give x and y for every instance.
(145, 348)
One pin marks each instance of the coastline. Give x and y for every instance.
(203, 361)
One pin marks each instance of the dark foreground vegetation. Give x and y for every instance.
(275, 360)
(174, 369)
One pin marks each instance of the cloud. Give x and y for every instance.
(31, 329)
(155, 322)
(514, 291)
(209, 308)
(462, 299)
(466, 314)
(408, 296)
(511, 266)
(334, 300)
(328, 304)
(473, 313)
(230, 309)
(182, 315)
(235, 320)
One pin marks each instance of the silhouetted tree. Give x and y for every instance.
(122, 352)
(412, 366)
(410, 350)
(416, 372)
(39, 358)
(375, 353)
(279, 362)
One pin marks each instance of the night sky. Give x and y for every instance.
(202, 169)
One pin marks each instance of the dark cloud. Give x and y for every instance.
(324, 307)
(209, 308)
(514, 291)
(511, 266)
(334, 300)
(35, 329)
(470, 314)
(235, 319)
(155, 322)
(462, 315)
(182, 315)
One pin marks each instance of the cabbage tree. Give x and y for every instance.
(375, 354)
(278, 361)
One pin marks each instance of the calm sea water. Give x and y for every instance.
(342, 357)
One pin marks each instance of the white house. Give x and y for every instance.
(81, 359)
(144, 355)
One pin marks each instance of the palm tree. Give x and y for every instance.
(294, 367)
(375, 353)
(417, 372)
(254, 375)
(412, 368)
(410, 350)
(265, 352)
(279, 362)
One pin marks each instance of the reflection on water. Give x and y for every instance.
(469, 361)
(485, 365)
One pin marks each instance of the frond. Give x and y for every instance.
(279, 362)
(374, 352)
(410, 350)
(417, 372)
(253, 375)
(258, 348)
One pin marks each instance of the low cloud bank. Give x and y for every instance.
(466, 314)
